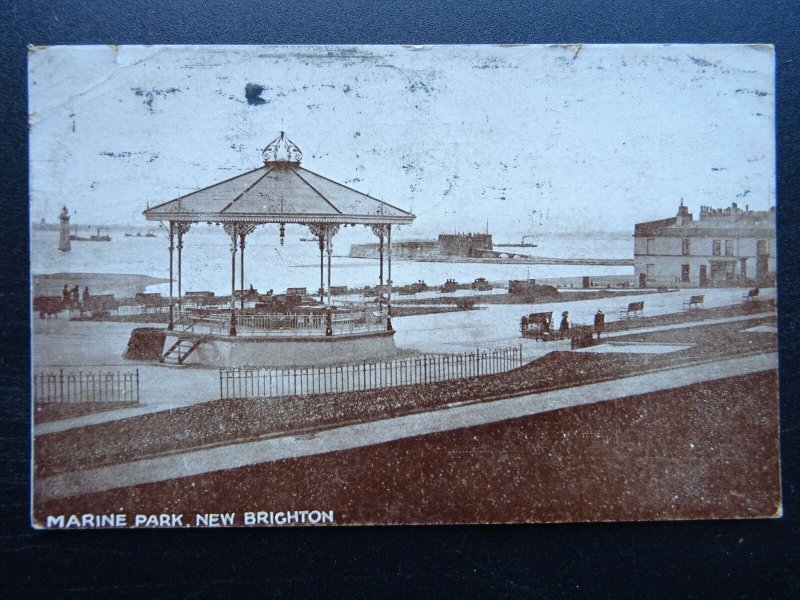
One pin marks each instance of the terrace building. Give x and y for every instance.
(724, 247)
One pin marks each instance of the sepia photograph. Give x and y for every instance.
(280, 286)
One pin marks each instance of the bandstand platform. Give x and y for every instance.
(243, 332)
(275, 340)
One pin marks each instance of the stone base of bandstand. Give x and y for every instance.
(287, 350)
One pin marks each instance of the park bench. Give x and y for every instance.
(481, 285)
(634, 309)
(693, 302)
(279, 303)
(751, 295)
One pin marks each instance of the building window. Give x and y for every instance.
(685, 273)
(716, 247)
(743, 267)
(761, 247)
(686, 247)
(650, 245)
(728, 247)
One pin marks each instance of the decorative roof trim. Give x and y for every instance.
(282, 150)
(282, 218)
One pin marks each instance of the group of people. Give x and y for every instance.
(543, 320)
(599, 324)
(72, 297)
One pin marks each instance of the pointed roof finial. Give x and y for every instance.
(282, 150)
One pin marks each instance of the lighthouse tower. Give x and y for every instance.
(63, 240)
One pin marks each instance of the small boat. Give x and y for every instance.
(100, 238)
(92, 238)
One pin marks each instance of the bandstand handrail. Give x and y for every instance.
(297, 323)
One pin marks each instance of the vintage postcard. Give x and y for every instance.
(345, 285)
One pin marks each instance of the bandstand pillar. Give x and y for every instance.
(380, 255)
(380, 231)
(319, 230)
(389, 278)
(231, 229)
(181, 227)
(329, 249)
(321, 237)
(171, 324)
(241, 269)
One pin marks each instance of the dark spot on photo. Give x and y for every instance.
(252, 92)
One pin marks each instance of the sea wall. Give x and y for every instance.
(409, 249)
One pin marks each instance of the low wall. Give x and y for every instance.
(290, 351)
(146, 343)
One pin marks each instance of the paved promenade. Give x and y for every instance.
(353, 436)
(184, 385)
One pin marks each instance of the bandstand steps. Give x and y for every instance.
(179, 351)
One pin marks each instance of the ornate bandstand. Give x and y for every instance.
(248, 329)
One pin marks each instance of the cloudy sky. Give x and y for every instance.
(529, 138)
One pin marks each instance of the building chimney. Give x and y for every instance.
(683, 214)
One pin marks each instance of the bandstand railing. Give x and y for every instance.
(218, 322)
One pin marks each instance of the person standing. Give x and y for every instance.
(86, 294)
(65, 294)
(599, 323)
(563, 328)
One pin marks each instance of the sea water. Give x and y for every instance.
(269, 265)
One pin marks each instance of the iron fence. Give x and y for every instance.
(243, 382)
(76, 387)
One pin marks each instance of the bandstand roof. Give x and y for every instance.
(281, 191)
